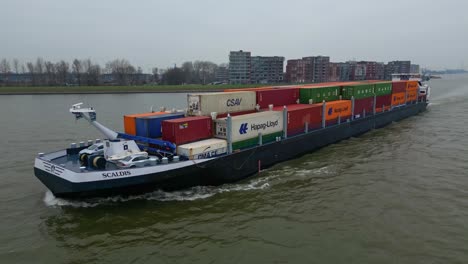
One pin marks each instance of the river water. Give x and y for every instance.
(394, 195)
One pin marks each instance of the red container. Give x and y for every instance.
(360, 105)
(299, 114)
(277, 97)
(187, 129)
(383, 101)
(399, 86)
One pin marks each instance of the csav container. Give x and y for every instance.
(130, 121)
(203, 149)
(150, 126)
(383, 103)
(398, 99)
(399, 87)
(249, 126)
(187, 129)
(337, 109)
(206, 103)
(277, 97)
(299, 115)
(359, 91)
(363, 105)
(318, 94)
(382, 88)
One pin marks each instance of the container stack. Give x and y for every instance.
(150, 126)
(318, 94)
(399, 93)
(130, 121)
(363, 94)
(383, 93)
(204, 104)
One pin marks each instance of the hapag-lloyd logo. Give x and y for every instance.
(261, 126)
(338, 110)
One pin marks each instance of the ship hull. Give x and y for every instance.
(221, 170)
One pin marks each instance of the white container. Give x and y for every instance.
(203, 149)
(250, 125)
(206, 103)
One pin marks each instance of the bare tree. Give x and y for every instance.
(50, 72)
(5, 66)
(121, 69)
(32, 73)
(39, 71)
(62, 68)
(16, 65)
(155, 73)
(94, 71)
(77, 70)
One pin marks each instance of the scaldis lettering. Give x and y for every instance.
(116, 174)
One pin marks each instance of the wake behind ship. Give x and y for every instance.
(223, 137)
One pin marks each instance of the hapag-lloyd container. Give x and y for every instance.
(299, 115)
(203, 149)
(150, 126)
(335, 109)
(277, 97)
(236, 113)
(412, 95)
(249, 126)
(206, 103)
(412, 86)
(187, 129)
(398, 98)
(383, 102)
(364, 104)
(130, 122)
(399, 86)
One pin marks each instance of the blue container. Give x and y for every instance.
(150, 126)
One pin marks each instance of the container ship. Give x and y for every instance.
(223, 137)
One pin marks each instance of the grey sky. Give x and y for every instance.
(160, 33)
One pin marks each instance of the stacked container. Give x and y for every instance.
(335, 110)
(383, 92)
(203, 149)
(246, 128)
(412, 90)
(150, 126)
(363, 94)
(130, 121)
(221, 103)
(318, 94)
(399, 93)
(299, 115)
(188, 129)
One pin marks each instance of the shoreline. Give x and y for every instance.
(108, 92)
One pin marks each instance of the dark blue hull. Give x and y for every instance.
(230, 168)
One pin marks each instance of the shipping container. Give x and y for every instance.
(249, 126)
(398, 99)
(130, 122)
(412, 86)
(248, 143)
(412, 96)
(236, 113)
(299, 115)
(187, 129)
(382, 88)
(206, 103)
(277, 97)
(319, 94)
(248, 89)
(364, 104)
(335, 109)
(399, 87)
(359, 91)
(150, 126)
(383, 102)
(203, 149)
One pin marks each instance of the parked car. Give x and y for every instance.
(97, 148)
(134, 161)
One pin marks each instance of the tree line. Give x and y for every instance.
(88, 73)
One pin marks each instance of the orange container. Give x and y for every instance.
(412, 96)
(130, 124)
(412, 86)
(334, 109)
(398, 99)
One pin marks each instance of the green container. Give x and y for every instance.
(382, 88)
(359, 91)
(319, 94)
(254, 141)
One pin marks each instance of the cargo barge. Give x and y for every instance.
(226, 150)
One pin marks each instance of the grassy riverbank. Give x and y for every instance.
(120, 89)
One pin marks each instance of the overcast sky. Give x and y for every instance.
(157, 33)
